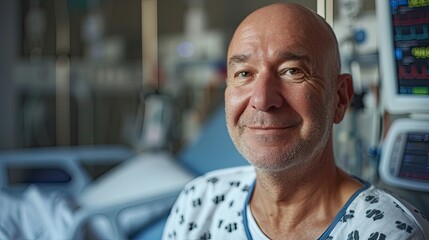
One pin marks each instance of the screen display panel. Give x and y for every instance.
(415, 160)
(403, 49)
(410, 22)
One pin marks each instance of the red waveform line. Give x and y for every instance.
(413, 73)
(417, 18)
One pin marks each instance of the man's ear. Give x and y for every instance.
(344, 91)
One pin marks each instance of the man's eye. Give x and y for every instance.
(293, 73)
(243, 74)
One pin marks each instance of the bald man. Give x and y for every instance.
(284, 93)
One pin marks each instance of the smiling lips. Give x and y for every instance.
(272, 126)
(268, 129)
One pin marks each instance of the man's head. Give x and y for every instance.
(284, 90)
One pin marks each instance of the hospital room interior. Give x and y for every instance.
(108, 107)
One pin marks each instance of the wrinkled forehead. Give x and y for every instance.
(285, 26)
(263, 41)
(280, 23)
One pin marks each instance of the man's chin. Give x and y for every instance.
(273, 157)
(267, 161)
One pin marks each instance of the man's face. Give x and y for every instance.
(279, 102)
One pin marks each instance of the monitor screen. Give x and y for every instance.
(415, 159)
(404, 158)
(404, 55)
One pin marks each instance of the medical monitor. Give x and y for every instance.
(405, 155)
(404, 55)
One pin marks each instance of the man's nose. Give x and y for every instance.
(266, 94)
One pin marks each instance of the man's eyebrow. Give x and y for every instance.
(293, 56)
(287, 56)
(239, 58)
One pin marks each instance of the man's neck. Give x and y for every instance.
(300, 201)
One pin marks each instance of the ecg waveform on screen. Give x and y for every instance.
(417, 18)
(412, 72)
(410, 20)
(407, 33)
(420, 52)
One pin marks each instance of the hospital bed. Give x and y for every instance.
(67, 169)
(211, 150)
(133, 198)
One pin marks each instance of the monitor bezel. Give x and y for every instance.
(392, 101)
(390, 163)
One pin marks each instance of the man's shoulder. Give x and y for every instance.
(383, 198)
(376, 197)
(375, 205)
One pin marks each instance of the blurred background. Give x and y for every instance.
(87, 86)
(75, 72)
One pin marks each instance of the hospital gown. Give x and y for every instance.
(214, 206)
